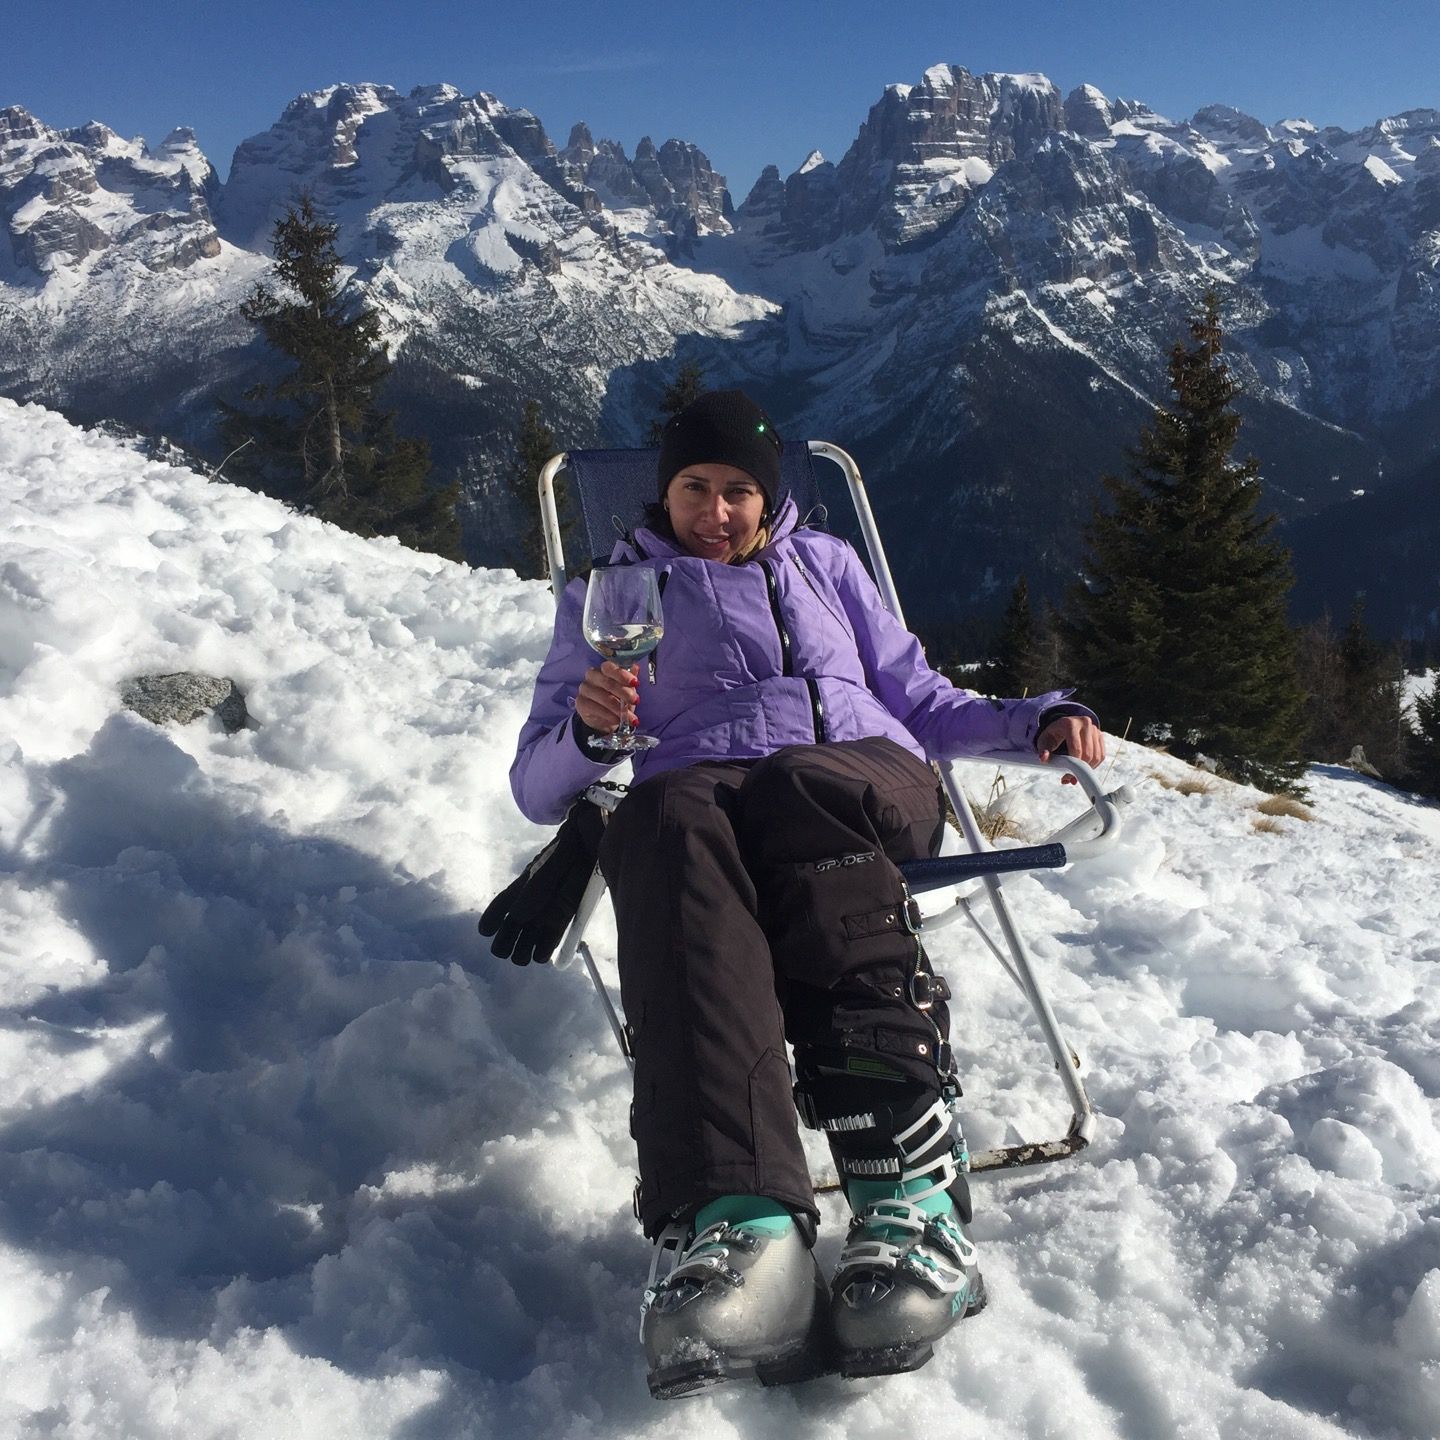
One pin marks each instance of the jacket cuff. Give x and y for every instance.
(1059, 711)
(582, 733)
(1029, 717)
(1064, 708)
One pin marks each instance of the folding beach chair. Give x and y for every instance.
(611, 488)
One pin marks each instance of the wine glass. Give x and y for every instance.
(623, 622)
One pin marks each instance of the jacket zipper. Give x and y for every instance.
(800, 566)
(787, 664)
(661, 581)
(817, 709)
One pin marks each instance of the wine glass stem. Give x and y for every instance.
(626, 730)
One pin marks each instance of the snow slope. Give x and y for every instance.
(285, 1154)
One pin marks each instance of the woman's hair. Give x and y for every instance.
(758, 542)
(657, 518)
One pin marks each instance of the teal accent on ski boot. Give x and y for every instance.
(907, 1274)
(758, 1214)
(742, 1298)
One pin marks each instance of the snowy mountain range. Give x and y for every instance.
(977, 299)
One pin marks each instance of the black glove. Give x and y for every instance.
(530, 915)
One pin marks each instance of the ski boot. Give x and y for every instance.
(741, 1299)
(905, 1276)
(908, 1271)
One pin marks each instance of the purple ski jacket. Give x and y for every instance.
(793, 647)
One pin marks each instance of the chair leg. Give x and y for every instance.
(576, 933)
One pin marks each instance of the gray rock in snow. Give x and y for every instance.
(1360, 763)
(183, 697)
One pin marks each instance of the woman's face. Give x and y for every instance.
(715, 510)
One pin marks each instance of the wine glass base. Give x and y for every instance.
(622, 744)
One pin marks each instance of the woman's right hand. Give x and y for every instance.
(608, 695)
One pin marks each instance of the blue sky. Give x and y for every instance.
(750, 83)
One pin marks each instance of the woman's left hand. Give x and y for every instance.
(1079, 734)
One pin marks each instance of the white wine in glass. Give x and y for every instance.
(623, 621)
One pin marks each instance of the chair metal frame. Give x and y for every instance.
(979, 872)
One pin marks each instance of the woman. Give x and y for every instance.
(753, 871)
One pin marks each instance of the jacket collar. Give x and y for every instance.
(646, 544)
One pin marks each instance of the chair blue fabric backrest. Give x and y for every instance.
(610, 485)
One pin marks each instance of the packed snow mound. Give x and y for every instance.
(285, 1153)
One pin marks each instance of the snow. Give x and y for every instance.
(1212, 159)
(967, 171)
(367, 96)
(285, 1153)
(1017, 307)
(1028, 80)
(1305, 252)
(1380, 171)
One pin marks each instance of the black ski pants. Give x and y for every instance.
(758, 901)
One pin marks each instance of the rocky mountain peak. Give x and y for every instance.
(812, 196)
(697, 189)
(1139, 114)
(925, 148)
(921, 155)
(1227, 125)
(580, 147)
(603, 168)
(1029, 97)
(17, 123)
(1412, 124)
(763, 208)
(519, 129)
(1427, 162)
(441, 94)
(332, 117)
(100, 139)
(76, 198)
(181, 138)
(314, 146)
(675, 180)
(181, 149)
(799, 213)
(358, 146)
(1087, 112)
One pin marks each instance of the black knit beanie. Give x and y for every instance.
(722, 427)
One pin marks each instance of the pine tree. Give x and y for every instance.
(1326, 723)
(1024, 658)
(1007, 672)
(687, 386)
(316, 438)
(1425, 743)
(1355, 689)
(1181, 620)
(1373, 691)
(1051, 663)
